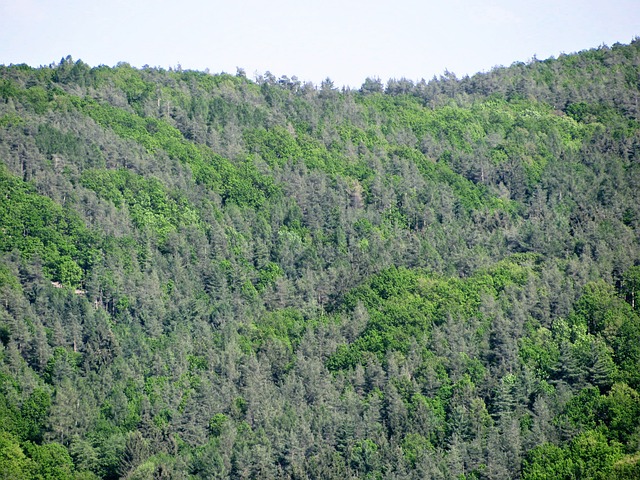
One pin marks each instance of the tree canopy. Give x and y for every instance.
(207, 276)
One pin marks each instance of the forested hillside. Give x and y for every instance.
(208, 276)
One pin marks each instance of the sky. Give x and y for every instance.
(344, 40)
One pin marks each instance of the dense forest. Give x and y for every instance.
(209, 276)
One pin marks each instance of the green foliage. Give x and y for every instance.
(600, 309)
(128, 79)
(8, 89)
(34, 412)
(432, 280)
(540, 351)
(588, 456)
(217, 424)
(149, 204)
(617, 413)
(276, 146)
(621, 414)
(32, 461)
(52, 141)
(13, 461)
(414, 447)
(627, 468)
(405, 304)
(9, 120)
(52, 460)
(268, 275)
(8, 279)
(240, 184)
(548, 461)
(631, 286)
(286, 326)
(36, 97)
(36, 226)
(365, 460)
(62, 363)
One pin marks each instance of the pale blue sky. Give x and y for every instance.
(341, 39)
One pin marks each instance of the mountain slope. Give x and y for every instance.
(208, 276)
